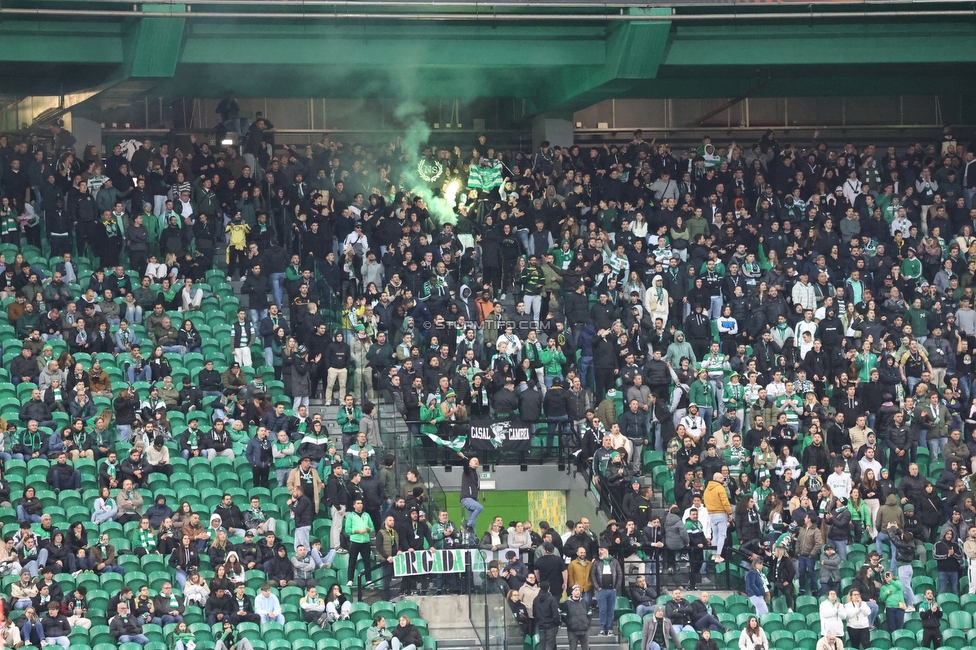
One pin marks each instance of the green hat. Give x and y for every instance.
(908, 506)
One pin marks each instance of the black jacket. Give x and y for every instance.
(556, 402)
(55, 626)
(303, 510)
(335, 492)
(337, 355)
(257, 287)
(577, 615)
(545, 609)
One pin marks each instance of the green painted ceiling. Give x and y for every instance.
(555, 66)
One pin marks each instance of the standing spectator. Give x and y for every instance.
(809, 541)
(948, 557)
(829, 570)
(858, 617)
(545, 609)
(893, 598)
(577, 619)
(470, 488)
(607, 579)
(259, 455)
(358, 526)
(832, 614)
(719, 509)
(931, 615)
(302, 512)
(757, 587)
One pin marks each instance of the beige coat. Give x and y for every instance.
(317, 485)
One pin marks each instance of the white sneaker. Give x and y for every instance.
(229, 279)
(910, 608)
(501, 297)
(349, 583)
(243, 277)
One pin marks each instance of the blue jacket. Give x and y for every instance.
(585, 341)
(754, 584)
(255, 455)
(53, 446)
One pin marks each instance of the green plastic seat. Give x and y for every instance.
(904, 639)
(959, 619)
(344, 631)
(954, 639)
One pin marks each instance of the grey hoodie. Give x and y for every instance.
(675, 533)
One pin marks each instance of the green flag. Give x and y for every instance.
(454, 445)
(484, 178)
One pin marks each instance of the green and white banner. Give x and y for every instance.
(430, 561)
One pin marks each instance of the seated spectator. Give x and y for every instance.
(22, 593)
(75, 608)
(230, 640)
(157, 458)
(167, 608)
(184, 559)
(103, 556)
(337, 606)
(56, 626)
(134, 469)
(9, 562)
(658, 633)
(126, 627)
(753, 637)
(31, 444)
(195, 590)
(183, 638)
(408, 635)
(312, 606)
(32, 629)
(266, 606)
(280, 570)
(304, 568)
(62, 476)
(129, 502)
(29, 507)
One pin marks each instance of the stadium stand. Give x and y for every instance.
(759, 361)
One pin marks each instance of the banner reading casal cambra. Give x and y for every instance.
(504, 435)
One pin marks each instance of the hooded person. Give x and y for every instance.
(680, 348)
(656, 300)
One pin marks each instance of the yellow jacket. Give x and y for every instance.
(716, 499)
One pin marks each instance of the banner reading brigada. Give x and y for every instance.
(503, 435)
(429, 561)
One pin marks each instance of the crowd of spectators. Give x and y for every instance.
(783, 332)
